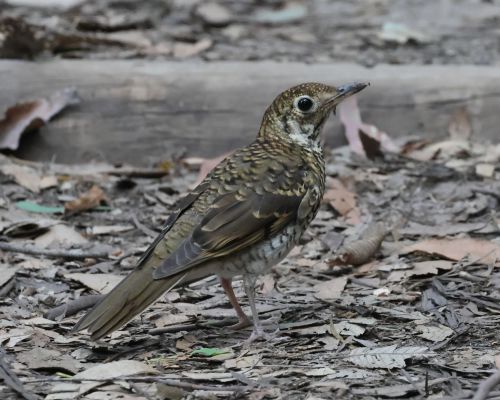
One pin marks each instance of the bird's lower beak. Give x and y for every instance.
(345, 91)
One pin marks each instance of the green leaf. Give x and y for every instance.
(37, 208)
(63, 375)
(208, 351)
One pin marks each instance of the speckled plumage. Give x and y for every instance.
(244, 217)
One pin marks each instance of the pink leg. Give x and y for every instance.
(243, 320)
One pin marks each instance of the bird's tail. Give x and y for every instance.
(131, 296)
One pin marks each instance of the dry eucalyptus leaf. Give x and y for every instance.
(482, 251)
(115, 369)
(25, 176)
(434, 333)
(102, 283)
(32, 115)
(421, 268)
(90, 199)
(330, 290)
(360, 251)
(60, 234)
(350, 116)
(460, 126)
(339, 197)
(387, 356)
(185, 50)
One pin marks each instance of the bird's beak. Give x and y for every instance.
(345, 91)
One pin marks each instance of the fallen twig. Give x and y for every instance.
(486, 386)
(12, 381)
(168, 382)
(139, 225)
(74, 306)
(75, 254)
(362, 250)
(130, 172)
(193, 326)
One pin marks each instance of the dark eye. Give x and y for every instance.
(305, 104)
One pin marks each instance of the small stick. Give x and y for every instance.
(168, 382)
(193, 326)
(74, 306)
(76, 254)
(11, 379)
(486, 386)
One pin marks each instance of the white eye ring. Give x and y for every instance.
(305, 104)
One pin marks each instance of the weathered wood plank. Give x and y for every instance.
(137, 111)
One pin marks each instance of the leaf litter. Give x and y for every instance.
(418, 306)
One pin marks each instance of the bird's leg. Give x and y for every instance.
(243, 320)
(258, 331)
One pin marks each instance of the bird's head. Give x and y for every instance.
(299, 113)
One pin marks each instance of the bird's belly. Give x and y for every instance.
(259, 259)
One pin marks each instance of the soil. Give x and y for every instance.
(320, 31)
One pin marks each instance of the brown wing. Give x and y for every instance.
(137, 290)
(232, 224)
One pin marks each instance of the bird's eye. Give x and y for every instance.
(305, 103)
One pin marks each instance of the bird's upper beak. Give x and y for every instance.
(345, 91)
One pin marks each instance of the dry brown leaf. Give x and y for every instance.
(185, 50)
(90, 199)
(330, 290)
(102, 283)
(343, 201)
(460, 126)
(60, 234)
(31, 115)
(23, 175)
(115, 369)
(481, 251)
(362, 250)
(485, 169)
(350, 116)
(421, 268)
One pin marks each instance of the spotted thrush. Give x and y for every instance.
(242, 219)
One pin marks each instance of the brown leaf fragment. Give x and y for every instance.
(421, 268)
(460, 126)
(19, 39)
(350, 116)
(480, 251)
(186, 50)
(343, 201)
(340, 198)
(92, 198)
(371, 146)
(362, 250)
(102, 283)
(331, 289)
(31, 115)
(115, 369)
(10, 379)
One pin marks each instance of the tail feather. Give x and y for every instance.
(130, 297)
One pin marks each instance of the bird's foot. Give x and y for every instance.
(259, 334)
(243, 322)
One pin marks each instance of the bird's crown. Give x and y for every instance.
(298, 114)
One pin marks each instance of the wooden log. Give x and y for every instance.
(139, 111)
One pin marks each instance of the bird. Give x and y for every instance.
(242, 219)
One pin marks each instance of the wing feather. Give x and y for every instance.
(233, 223)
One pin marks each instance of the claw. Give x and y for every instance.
(259, 334)
(241, 324)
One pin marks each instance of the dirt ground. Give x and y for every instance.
(394, 291)
(418, 318)
(365, 31)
